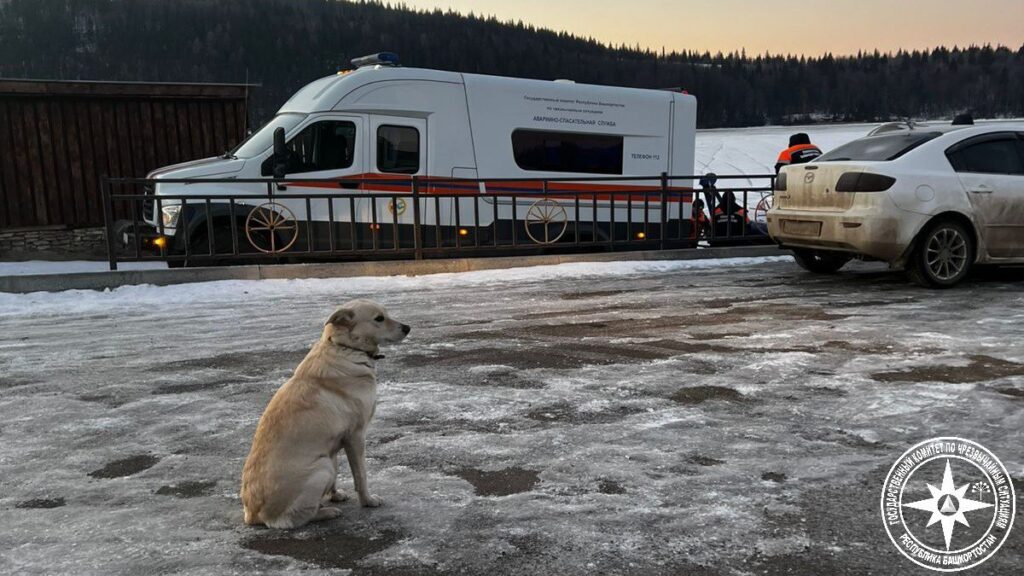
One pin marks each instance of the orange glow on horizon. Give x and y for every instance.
(839, 27)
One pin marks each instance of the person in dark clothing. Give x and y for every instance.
(728, 217)
(800, 151)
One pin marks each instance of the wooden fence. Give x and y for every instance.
(58, 139)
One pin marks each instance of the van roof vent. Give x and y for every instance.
(378, 59)
(565, 81)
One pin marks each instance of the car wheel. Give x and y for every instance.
(820, 262)
(943, 255)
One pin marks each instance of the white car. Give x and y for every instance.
(933, 200)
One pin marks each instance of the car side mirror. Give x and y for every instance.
(280, 157)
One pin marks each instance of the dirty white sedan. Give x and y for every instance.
(933, 200)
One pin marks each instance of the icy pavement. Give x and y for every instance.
(29, 267)
(703, 418)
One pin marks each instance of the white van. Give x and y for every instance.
(387, 123)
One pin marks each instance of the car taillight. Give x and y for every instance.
(864, 182)
(780, 182)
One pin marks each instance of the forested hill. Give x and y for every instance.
(285, 43)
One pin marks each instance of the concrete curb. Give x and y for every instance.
(105, 280)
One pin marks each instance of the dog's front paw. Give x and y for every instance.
(371, 501)
(338, 496)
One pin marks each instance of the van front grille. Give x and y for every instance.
(148, 209)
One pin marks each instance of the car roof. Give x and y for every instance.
(953, 134)
(984, 127)
(948, 135)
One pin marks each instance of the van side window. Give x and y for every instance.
(996, 156)
(544, 151)
(398, 149)
(324, 145)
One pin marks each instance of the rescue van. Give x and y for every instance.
(373, 128)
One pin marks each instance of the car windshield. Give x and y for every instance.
(879, 148)
(264, 137)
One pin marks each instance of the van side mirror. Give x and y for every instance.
(280, 158)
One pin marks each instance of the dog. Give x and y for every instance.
(290, 475)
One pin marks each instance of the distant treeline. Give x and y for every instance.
(283, 44)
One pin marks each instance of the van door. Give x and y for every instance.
(325, 146)
(398, 151)
(991, 169)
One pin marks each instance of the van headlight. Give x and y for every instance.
(170, 215)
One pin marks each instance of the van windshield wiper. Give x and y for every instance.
(227, 155)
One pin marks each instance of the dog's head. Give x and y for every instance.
(364, 325)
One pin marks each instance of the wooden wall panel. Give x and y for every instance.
(61, 138)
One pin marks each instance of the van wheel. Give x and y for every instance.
(819, 261)
(221, 246)
(942, 256)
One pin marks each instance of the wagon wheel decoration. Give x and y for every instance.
(546, 221)
(271, 228)
(762, 208)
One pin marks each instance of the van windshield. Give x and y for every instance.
(264, 137)
(879, 148)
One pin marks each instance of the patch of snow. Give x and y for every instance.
(755, 150)
(233, 291)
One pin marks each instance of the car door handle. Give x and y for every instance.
(982, 189)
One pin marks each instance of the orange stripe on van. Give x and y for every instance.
(458, 187)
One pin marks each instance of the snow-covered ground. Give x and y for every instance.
(754, 150)
(708, 418)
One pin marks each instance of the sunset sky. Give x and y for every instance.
(778, 26)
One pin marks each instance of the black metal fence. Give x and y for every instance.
(208, 221)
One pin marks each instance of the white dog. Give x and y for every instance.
(290, 474)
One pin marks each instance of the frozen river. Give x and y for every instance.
(707, 418)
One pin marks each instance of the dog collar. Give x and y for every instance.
(377, 356)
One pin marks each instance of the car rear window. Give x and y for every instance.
(879, 148)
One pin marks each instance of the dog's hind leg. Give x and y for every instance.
(307, 505)
(326, 513)
(355, 449)
(335, 495)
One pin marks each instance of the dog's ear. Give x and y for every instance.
(342, 317)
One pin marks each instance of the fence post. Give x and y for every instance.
(108, 222)
(417, 241)
(664, 211)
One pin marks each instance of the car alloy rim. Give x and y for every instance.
(946, 253)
